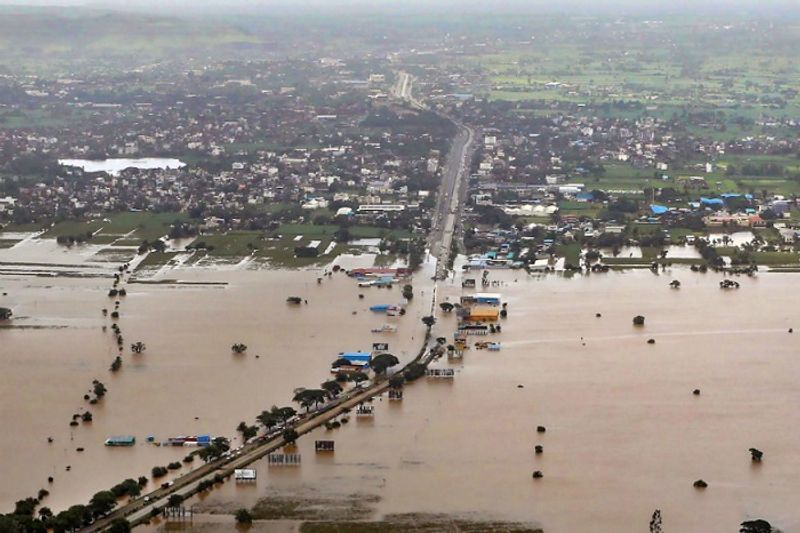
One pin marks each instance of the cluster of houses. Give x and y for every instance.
(251, 141)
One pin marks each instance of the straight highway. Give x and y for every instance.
(449, 206)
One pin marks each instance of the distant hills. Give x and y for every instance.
(51, 34)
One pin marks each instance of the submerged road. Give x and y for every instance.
(444, 228)
(143, 508)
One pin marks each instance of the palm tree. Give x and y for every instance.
(446, 307)
(428, 321)
(308, 397)
(5, 313)
(275, 416)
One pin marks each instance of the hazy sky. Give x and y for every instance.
(189, 7)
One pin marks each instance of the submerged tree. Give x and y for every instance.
(655, 522)
(332, 388)
(214, 450)
(382, 362)
(119, 525)
(756, 526)
(239, 348)
(138, 347)
(358, 377)
(408, 292)
(99, 389)
(243, 516)
(756, 455)
(248, 432)
(290, 435)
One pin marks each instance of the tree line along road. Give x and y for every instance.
(143, 508)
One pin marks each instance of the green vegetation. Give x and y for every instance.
(243, 516)
(135, 227)
(570, 252)
(356, 232)
(44, 118)
(278, 247)
(156, 259)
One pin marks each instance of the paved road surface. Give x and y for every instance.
(447, 216)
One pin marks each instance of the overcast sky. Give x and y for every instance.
(189, 7)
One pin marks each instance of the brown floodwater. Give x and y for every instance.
(187, 382)
(625, 435)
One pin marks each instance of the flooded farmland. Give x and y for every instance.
(187, 382)
(624, 436)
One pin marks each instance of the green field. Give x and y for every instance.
(237, 245)
(44, 118)
(765, 258)
(581, 209)
(133, 226)
(570, 252)
(358, 232)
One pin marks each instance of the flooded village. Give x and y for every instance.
(568, 359)
(405, 289)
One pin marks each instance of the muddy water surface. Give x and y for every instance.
(625, 435)
(187, 382)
